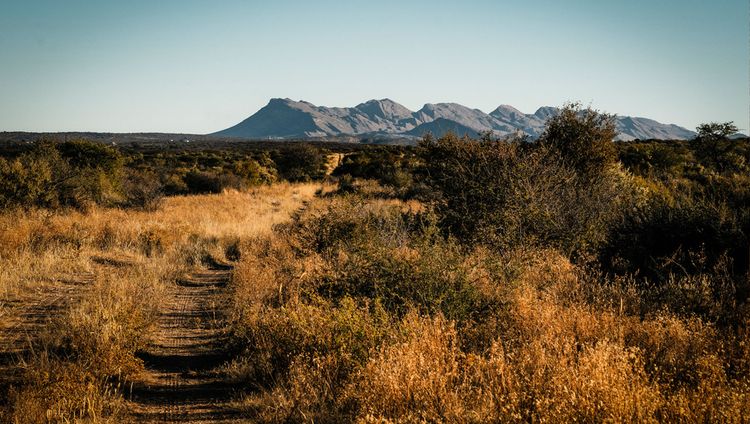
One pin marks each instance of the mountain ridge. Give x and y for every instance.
(286, 119)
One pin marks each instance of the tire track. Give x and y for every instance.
(181, 383)
(25, 317)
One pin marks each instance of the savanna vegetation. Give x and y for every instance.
(569, 278)
(81, 173)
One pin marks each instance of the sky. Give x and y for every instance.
(199, 66)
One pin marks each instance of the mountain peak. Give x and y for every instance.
(508, 108)
(285, 118)
(506, 111)
(383, 109)
(279, 100)
(379, 101)
(546, 112)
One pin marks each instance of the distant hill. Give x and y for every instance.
(440, 127)
(288, 119)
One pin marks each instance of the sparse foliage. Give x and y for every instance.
(584, 139)
(509, 194)
(715, 148)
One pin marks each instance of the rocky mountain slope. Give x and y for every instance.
(285, 118)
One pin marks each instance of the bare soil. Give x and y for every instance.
(182, 383)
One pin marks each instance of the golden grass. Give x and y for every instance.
(558, 344)
(34, 243)
(102, 273)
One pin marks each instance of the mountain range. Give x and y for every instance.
(288, 119)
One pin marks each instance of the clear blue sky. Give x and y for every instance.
(201, 66)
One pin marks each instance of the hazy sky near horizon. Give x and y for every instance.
(198, 66)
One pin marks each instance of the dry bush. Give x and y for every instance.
(428, 378)
(416, 380)
(554, 341)
(56, 391)
(661, 358)
(558, 360)
(110, 324)
(303, 355)
(86, 353)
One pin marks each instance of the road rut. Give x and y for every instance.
(181, 383)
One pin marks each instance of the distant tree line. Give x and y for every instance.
(78, 173)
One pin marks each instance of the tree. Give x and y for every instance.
(714, 148)
(715, 130)
(584, 139)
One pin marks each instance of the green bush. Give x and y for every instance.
(584, 139)
(391, 256)
(25, 181)
(81, 154)
(61, 174)
(655, 159)
(300, 163)
(252, 172)
(508, 194)
(686, 236)
(391, 166)
(198, 182)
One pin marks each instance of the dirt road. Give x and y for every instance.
(181, 383)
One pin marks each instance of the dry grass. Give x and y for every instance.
(558, 344)
(100, 275)
(346, 315)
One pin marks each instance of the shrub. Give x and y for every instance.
(390, 166)
(252, 172)
(301, 163)
(70, 174)
(417, 380)
(142, 190)
(175, 184)
(81, 154)
(507, 195)
(584, 139)
(24, 181)
(391, 256)
(659, 239)
(199, 182)
(303, 353)
(655, 159)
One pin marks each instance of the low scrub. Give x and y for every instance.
(360, 310)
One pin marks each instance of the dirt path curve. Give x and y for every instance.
(181, 383)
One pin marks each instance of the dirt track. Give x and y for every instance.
(181, 383)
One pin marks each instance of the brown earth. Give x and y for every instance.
(182, 382)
